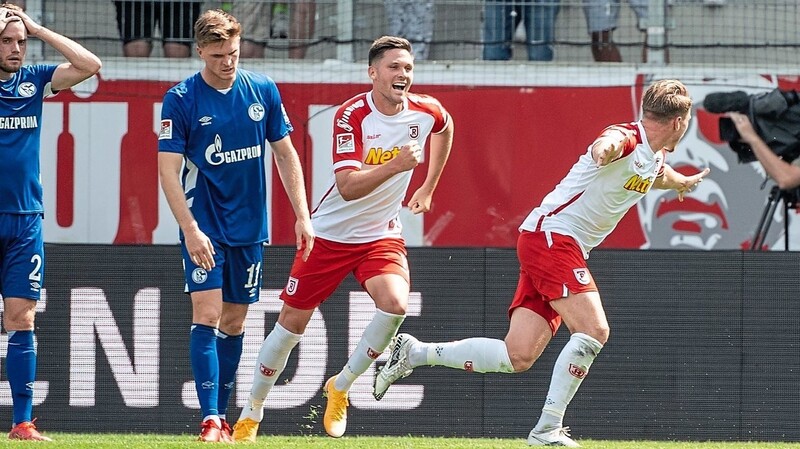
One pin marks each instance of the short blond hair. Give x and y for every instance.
(215, 26)
(665, 100)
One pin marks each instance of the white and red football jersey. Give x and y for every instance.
(364, 139)
(590, 201)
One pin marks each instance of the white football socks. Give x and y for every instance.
(479, 354)
(570, 369)
(271, 361)
(376, 338)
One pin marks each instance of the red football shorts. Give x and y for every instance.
(551, 267)
(313, 281)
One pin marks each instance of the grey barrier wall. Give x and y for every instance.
(704, 346)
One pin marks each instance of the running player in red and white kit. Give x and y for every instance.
(617, 170)
(377, 142)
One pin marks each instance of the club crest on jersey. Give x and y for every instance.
(413, 130)
(291, 286)
(166, 130)
(199, 275)
(26, 89)
(582, 276)
(256, 112)
(345, 143)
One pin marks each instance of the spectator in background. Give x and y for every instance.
(502, 18)
(136, 21)
(601, 20)
(264, 20)
(413, 20)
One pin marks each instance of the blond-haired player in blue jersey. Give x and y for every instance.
(215, 128)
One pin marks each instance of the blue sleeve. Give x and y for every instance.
(43, 73)
(278, 124)
(173, 130)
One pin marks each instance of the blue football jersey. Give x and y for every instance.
(224, 139)
(21, 100)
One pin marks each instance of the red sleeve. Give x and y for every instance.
(619, 132)
(430, 105)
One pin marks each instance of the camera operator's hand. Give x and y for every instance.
(744, 127)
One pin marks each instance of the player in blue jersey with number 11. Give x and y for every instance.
(215, 126)
(22, 92)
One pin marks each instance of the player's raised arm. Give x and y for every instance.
(81, 64)
(610, 145)
(682, 184)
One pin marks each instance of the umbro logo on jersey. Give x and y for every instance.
(205, 120)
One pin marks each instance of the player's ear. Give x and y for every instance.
(372, 73)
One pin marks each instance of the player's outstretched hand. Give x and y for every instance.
(690, 183)
(608, 148)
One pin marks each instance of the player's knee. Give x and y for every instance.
(600, 333)
(521, 362)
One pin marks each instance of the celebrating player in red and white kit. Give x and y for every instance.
(378, 140)
(617, 170)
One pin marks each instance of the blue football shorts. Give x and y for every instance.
(237, 272)
(22, 256)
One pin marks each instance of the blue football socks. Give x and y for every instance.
(229, 352)
(205, 366)
(21, 372)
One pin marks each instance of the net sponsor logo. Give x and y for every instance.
(379, 156)
(638, 184)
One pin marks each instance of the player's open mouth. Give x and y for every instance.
(399, 86)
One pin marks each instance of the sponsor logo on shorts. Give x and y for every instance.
(577, 371)
(582, 275)
(269, 372)
(468, 366)
(199, 275)
(166, 130)
(373, 354)
(291, 286)
(345, 143)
